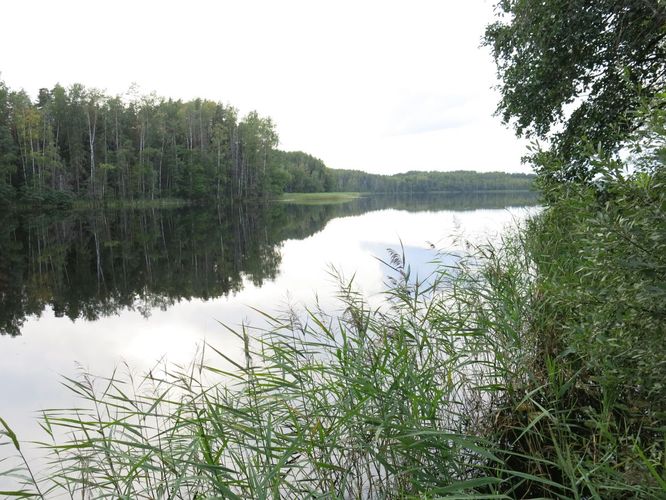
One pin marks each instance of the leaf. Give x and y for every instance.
(18, 494)
(11, 434)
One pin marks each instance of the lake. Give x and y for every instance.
(92, 290)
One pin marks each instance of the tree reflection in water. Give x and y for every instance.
(91, 264)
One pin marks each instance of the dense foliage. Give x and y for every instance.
(300, 172)
(593, 391)
(79, 142)
(595, 383)
(574, 71)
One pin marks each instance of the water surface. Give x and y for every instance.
(94, 290)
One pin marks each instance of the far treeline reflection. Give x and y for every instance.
(91, 264)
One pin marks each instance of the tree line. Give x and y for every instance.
(424, 182)
(301, 172)
(79, 143)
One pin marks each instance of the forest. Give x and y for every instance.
(78, 143)
(303, 173)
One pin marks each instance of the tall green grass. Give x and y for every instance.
(529, 369)
(360, 403)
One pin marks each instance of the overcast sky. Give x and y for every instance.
(381, 86)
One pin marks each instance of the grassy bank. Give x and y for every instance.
(317, 198)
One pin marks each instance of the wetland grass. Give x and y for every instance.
(318, 198)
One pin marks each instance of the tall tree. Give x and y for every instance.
(7, 146)
(93, 99)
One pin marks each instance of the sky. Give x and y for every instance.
(381, 86)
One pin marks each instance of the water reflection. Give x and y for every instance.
(89, 265)
(99, 289)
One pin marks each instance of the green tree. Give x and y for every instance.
(573, 71)
(7, 146)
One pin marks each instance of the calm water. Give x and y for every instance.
(94, 290)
